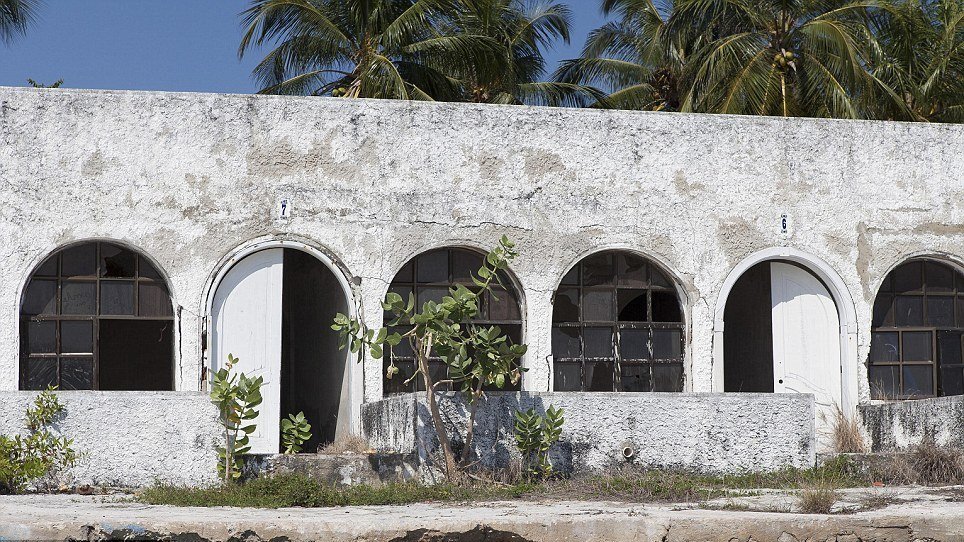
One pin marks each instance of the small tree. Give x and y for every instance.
(475, 356)
(236, 396)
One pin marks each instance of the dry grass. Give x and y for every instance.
(817, 499)
(937, 465)
(848, 437)
(925, 464)
(350, 444)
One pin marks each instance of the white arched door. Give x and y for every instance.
(806, 337)
(246, 322)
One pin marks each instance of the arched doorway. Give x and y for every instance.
(97, 316)
(782, 333)
(272, 309)
(783, 314)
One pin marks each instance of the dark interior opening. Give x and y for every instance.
(313, 377)
(748, 333)
(136, 355)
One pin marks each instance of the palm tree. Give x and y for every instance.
(15, 17)
(631, 58)
(523, 29)
(773, 57)
(915, 54)
(362, 48)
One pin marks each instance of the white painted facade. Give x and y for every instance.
(194, 181)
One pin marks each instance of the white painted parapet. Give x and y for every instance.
(130, 439)
(707, 432)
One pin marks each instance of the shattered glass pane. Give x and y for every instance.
(41, 372)
(76, 373)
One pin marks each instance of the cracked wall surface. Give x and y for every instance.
(190, 179)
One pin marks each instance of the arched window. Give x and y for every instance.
(915, 347)
(96, 316)
(430, 276)
(617, 325)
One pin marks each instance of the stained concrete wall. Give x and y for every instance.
(902, 425)
(191, 179)
(691, 431)
(130, 439)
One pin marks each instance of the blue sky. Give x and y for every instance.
(181, 45)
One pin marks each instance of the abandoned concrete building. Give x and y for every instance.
(702, 289)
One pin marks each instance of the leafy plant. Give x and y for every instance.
(534, 436)
(236, 397)
(40, 454)
(36, 84)
(474, 355)
(295, 431)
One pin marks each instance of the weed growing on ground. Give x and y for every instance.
(878, 498)
(924, 464)
(297, 490)
(625, 484)
(818, 499)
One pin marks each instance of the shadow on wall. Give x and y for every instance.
(697, 432)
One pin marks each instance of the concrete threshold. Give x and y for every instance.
(72, 517)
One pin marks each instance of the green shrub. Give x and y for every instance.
(39, 455)
(295, 431)
(236, 397)
(535, 435)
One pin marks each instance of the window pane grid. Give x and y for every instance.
(919, 297)
(429, 276)
(617, 292)
(92, 266)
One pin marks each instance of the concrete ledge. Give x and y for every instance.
(692, 431)
(61, 517)
(130, 439)
(901, 424)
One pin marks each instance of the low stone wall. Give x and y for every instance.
(902, 424)
(692, 431)
(130, 439)
(347, 469)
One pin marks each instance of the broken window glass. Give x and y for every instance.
(84, 347)
(618, 293)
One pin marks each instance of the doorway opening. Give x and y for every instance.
(782, 334)
(273, 311)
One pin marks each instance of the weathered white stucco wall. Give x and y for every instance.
(691, 431)
(130, 439)
(192, 179)
(901, 425)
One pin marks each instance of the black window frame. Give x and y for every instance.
(884, 322)
(575, 279)
(514, 328)
(99, 277)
